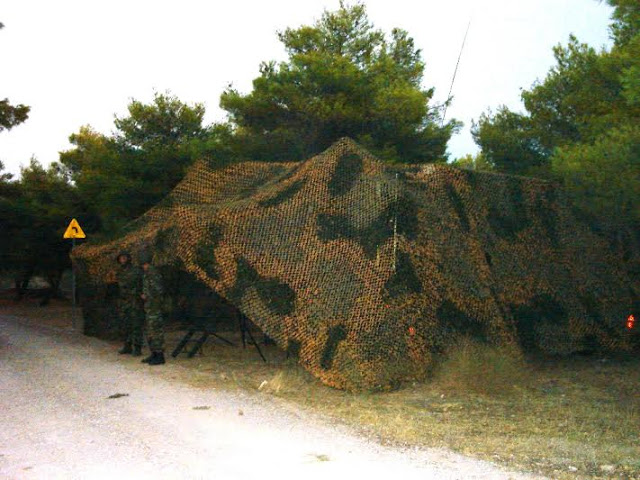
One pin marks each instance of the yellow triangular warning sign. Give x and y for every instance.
(74, 230)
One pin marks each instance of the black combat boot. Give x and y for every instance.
(126, 349)
(147, 359)
(137, 351)
(157, 358)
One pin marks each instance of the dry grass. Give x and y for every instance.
(575, 417)
(479, 369)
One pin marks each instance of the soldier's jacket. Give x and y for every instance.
(129, 283)
(152, 290)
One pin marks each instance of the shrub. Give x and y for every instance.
(473, 367)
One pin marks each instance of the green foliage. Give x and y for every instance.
(9, 193)
(123, 175)
(630, 75)
(166, 123)
(476, 162)
(579, 97)
(11, 116)
(35, 211)
(604, 177)
(216, 144)
(581, 123)
(509, 143)
(5, 182)
(578, 100)
(103, 174)
(626, 21)
(342, 78)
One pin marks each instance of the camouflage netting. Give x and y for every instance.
(366, 271)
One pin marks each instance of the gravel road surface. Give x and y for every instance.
(57, 421)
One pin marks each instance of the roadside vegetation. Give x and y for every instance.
(563, 417)
(573, 417)
(342, 77)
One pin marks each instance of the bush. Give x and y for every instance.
(473, 367)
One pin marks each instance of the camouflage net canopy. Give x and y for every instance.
(367, 271)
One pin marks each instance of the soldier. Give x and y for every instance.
(130, 310)
(152, 297)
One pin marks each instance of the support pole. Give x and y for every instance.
(455, 71)
(395, 228)
(73, 290)
(74, 231)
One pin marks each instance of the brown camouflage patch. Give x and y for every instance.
(365, 270)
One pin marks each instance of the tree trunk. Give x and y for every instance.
(22, 283)
(53, 278)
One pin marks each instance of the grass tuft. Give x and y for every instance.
(564, 417)
(478, 368)
(286, 382)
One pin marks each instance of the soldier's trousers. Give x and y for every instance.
(132, 318)
(155, 330)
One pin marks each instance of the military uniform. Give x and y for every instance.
(129, 278)
(152, 292)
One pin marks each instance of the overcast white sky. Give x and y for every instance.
(78, 62)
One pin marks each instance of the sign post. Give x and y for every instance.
(73, 231)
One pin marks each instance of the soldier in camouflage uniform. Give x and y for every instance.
(130, 310)
(152, 297)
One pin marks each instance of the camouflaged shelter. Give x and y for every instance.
(366, 270)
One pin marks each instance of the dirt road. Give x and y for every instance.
(57, 421)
